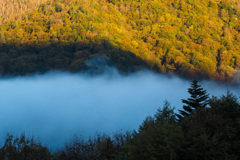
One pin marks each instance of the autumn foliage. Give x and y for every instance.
(193, 38)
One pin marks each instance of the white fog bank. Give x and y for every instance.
(55, 106)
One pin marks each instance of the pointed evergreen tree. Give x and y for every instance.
(199, 99)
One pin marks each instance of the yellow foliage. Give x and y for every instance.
(174, 35)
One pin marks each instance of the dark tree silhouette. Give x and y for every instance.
(199, 99)
(23, 148)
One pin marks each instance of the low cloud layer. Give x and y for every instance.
(55, 106)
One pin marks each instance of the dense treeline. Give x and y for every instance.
(9, 9)
(206, 128)
(74, 57)
(188, 37)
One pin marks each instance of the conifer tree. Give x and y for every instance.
(199, 99)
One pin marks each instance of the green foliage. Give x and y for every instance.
(22, 148)
(58, 7)
(157, 137)
(100, 146)
(2, 38)
(212, 133)
(166, 114)
(198, 100)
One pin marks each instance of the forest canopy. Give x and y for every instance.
(193, 38)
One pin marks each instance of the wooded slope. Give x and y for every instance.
(188, 37)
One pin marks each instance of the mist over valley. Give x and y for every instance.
(57, 105)
(98, 79)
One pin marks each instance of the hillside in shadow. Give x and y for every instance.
(89, 57)
(74, 57)
(199, 39)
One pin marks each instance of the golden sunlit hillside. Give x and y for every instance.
(11, 9)
(192, 38)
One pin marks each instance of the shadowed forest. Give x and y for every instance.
(185, 37)
(205, 128)
(72, 57)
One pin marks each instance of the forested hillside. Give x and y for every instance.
(193, 38)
